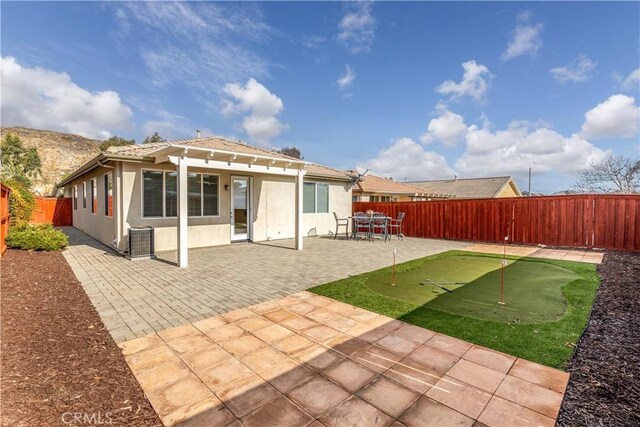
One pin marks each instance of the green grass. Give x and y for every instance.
(533, 290)
(547, 342)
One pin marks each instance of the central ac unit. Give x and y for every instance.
(141, 242)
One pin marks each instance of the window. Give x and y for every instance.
(160, 194)
(75, 197)
(380, 198)
(108, 194)
(315, 197)
(94, 196)
(84, 195)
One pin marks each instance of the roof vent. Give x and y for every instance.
(198, 133)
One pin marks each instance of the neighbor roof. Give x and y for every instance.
(374, 184)
(468, 188)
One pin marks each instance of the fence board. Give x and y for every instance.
(52, 210)
(586, 220)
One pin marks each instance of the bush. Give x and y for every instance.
(21, 202)
(41, 237)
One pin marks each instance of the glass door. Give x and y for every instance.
(240, 208)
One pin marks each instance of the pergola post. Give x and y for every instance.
(183, 214)
(299, 224)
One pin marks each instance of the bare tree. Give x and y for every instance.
(615, 174)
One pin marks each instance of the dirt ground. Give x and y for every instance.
(604, 389)
(59, 365)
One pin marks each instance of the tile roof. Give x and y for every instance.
(375, 184)
(468, 188)
(220, 143)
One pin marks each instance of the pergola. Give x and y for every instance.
(185, 157)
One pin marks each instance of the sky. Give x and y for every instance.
(409, 90)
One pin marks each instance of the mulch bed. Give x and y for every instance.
(604, 388)
(58, 360)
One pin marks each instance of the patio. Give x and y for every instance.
(142, 297)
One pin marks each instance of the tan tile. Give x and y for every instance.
(299, 323)
(544, 376)
(319, 301)
(360, 314)
(238, 423)
(235, 315)
(253, 323)
(225, 332)
(318, 395)
(347, 345)
(460, 396)
(278, 412)
(209, 411)
(414, 333)
(151, 357)
(385, 322)
(210, 323)
(172, 397)
(264, 307)
(140, 344)
(413, 375)
(316, 423)
(190, 343)
(321, 333)
(338, 307)
(476, 375)
(397, 424)
(267, 362)
(375, 358)
(341, 323)
(322, 315)
(502, 413)
(293, 344)
(291, 377)
(272, 334)
(318, 358)
(224, 373)
(349, 375)
(202, 359)
(179, 332)
(161, 375)
(449, 344)
(242, 345)
(388, 396)
(373, 335)
(279, 315)
(429, 413)
(438, 362)
(246, 395)
(355, 412)
(302, 308)
(360, 328)
(397, 344)
(532, 396)
(492, 359)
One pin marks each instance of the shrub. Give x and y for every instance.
(21, 201)
(41, 237)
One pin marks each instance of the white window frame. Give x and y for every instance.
(315, 208)
(164, 201)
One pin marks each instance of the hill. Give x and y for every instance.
(61, 153)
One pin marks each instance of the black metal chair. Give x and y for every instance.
(361, 223)
(341, 222)
(396, 225)
(379, 223)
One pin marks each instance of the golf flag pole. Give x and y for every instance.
(504, 262)
(393, 269)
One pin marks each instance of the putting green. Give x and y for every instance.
(532, 290)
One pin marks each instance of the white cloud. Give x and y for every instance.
(357, 27)
(46, 99)
(577, 71)
(405, 159)
(346, 79)
(312, 42)
(448, 128)
(262, 107)
(632, 82)
(526, 38)
(618, 116)
(474, 83)
(513, 150)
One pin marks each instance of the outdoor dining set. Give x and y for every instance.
(370, 225)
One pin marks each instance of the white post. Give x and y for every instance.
(183, 215)
(299, 187)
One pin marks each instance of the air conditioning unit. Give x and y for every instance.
(141, 243)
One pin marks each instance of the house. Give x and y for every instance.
(204, 192)
(472, 188)
(371, 188)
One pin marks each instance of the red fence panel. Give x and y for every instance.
(52, 210)
(4, 217)
(585, 220)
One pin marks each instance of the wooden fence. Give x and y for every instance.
(52, 210)
(590, 220)
(4, 217)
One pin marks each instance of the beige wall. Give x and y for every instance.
(273, 216)
(507, 191)
(366, 197)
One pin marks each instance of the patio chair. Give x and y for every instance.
(395, 226)
(361, 224)
(341, 222)
(379, 223)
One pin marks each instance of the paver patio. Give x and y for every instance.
(136, 298)
(539, 252)
(308, 360)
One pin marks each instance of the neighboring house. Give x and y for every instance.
(204, 192)
(472, 188)
(371, 188)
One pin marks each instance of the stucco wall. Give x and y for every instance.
(507, 191)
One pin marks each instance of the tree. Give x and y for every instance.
(614, 174)
(115, 141)
(153, 138)
(291, 152)
(19, 163)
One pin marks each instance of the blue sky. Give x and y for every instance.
(411, 90)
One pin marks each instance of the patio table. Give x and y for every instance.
(369, 219)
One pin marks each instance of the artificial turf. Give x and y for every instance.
(548, 342)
